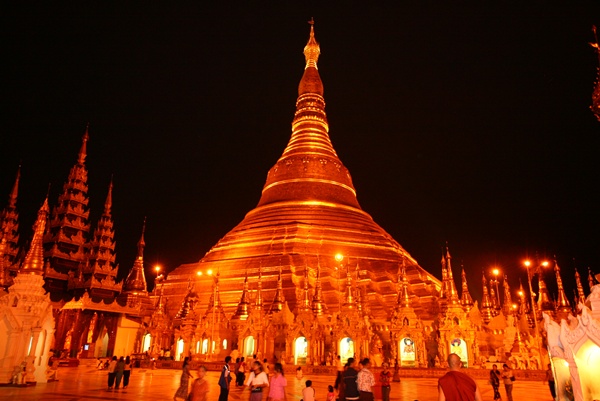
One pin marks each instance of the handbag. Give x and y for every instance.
(512, 378)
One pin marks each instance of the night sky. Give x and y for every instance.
(468, 124)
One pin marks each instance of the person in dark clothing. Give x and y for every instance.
(225, 380)
(350, 387)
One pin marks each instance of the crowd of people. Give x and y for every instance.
(118, 369)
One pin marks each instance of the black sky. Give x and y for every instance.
(468, 124)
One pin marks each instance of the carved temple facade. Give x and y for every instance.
(307, 275)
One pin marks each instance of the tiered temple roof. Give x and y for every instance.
(9, 236)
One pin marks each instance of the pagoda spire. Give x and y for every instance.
(452, 293)
(403, 295)
(595, 107)
(83, 149)
(243, 309)
(580, 293)
(350, 300)
(305, 304)
(507, 307)
(544, 304)
(486, 304)
(318, 305)
(309, 168)
(136, 281)
(259, 300)
(444, 288)
(9, 227)
(591, 281)
(562, 303)
(279, 299)
(34, 260)
(466, 300)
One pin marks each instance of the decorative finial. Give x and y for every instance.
(312, 49)
(595, 107)
(83, 150)
(15, 190)
(141, 243)
(108, 202)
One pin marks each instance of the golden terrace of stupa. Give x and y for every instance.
(308, 213)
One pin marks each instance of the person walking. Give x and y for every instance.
(278, 384)
(508, 377)
(241, 378)
(126, 372)
(340, 369)
(495, 376)
(225, 380)
(119, 372)
(257, 380)
(349, 381)
(550, 380)
(200, 386)
(385, 378)
(182, 391)
(365, 381)
(111, 372)
(456, 385)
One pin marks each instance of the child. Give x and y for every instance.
(308, 394)
(299, 372)
(330, 394)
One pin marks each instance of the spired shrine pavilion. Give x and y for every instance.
(307, 275)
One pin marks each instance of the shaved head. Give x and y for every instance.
(453, 361)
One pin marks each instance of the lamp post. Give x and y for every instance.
(527, 264)
(496, 272)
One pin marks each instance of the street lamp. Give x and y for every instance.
(496, 272)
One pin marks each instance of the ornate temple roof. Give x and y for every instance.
(308, 212)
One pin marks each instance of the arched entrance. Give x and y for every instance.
(408, 355)
(205, 346)
(147, 342)
(248, 346)
(346, 349)
(300, 351)
(458, 346)
(179, 352)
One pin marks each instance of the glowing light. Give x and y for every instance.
(545, 263)
(199, 273)
(520, 293)
(157, 268)
(495, 272)
(527, 263)
(209, 272)
(339, 257)
(514, 306)
(566, 364)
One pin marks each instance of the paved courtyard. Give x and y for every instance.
(86, 383)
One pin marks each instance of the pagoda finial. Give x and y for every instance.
(108, 202)
(544, 304)
(580, 293)
(312, 49)
(318, 305)
(279, 299)
(595, 107)
(83, 150)
(34, 260)
(136, 280)
(452, 293)
(466, 300)
(243, 309)
(562, 303)
(444, 289)
(403, 296)
(486, 304)
(591, 282)
(259, 300)
(507, 307)
(12, 199)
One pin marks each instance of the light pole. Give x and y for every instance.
(527, 264)
(496, 272)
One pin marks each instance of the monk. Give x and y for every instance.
(456, 385)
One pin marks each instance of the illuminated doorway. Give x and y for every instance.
(346, 349)
(407, 353)
(146, 343)
(205, 346)
(180, 346)
(300, 351)
(458, 346)
(249, 346)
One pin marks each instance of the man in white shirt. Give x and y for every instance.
(365, 381)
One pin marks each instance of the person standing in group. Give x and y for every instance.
(365, 381)
(385, 377)
(111, 372)
(330, 393)
(308, 392)
(182, 391)
(225, 380)
(456, 385)
(550, 380)
(119, 370)
(266, 366)
(257, 380)
(508, 377)
(126, 372)
(349, 378)
(241, 377)
(200, 386)
(340, 369)
(495, 376)
(277, 384)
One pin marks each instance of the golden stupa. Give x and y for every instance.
(308, 213)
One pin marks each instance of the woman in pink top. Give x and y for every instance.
(277, 385)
